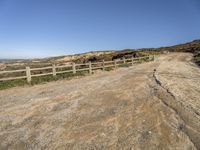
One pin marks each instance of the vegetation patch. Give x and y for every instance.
(39, 80)
(12, 83)
(124, 65)
(197, 59)
(108, 68)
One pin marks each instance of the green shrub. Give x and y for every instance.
(197, 59)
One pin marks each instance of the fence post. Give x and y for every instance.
(132, 60)
(124, 60)
(115, 62)
(54, 70)
(74, 68)
(139, 59)
(90, 67)
(103, 65)
(28, 74)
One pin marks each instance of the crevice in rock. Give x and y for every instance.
(190, 130)
(160, 84)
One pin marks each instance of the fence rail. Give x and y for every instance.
(74, 68)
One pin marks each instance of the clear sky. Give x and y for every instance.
(40, 28)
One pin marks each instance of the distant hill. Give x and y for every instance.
(193, 47)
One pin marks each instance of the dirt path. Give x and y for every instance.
(154, 105)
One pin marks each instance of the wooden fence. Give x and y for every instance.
(73, 68)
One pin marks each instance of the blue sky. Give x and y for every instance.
(40, 28)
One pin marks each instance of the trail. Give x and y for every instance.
(153, 105)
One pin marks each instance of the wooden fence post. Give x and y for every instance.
(90, 67)
(103, 65)
(139, 59)
(132, 60)
(28, 74)
(115, 62)
(74, 68)
(124, 60)
(54, 70)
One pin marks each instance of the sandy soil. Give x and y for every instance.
(154, 105)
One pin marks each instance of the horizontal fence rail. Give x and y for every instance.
(73, 68)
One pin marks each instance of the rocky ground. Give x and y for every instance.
(154, 105)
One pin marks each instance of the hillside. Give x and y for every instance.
(192, 47)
